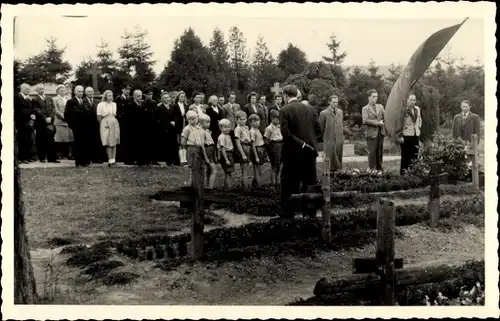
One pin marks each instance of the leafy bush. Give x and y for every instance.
(445, 150)
(474, 296)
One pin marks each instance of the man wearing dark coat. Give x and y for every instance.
(23, 114)
(98, 151)
(252, 107)
(301, 131)
(149, 139)
(122, 102)
(166, 134)
(466, 123)
(80, 118)
(44, 125)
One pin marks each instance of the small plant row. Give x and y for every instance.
(276, 231)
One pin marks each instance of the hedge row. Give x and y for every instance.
(275, 231)
(265, 201)
(465, 275)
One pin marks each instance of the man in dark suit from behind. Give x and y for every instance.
(44, 125)
(301, 130)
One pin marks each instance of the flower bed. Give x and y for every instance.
(275, 231)
(464, 277)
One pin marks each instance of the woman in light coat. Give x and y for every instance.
(64, 135)
(108, 125)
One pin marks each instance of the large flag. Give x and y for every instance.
(419, 62)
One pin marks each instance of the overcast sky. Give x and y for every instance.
(384, 41)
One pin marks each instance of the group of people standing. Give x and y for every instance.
(42, 123)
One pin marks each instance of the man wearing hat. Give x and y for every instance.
(122, 101)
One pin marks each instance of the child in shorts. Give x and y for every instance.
(225, 148)
(273, 140)
(192, 139)
(243, 145)
(209, 151)
(257, 154)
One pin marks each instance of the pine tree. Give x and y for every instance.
(191, 67)
(218, 48)
(394, 72)
(264, 69)
(336, 57)
(135, 60)
(107, 65)
(238, 60)
(292, 60)
(47, 66)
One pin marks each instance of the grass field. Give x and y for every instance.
(70, 205)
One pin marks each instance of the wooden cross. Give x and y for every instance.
(384, 264)
(94, 72)
(276, 89)
(435, 177)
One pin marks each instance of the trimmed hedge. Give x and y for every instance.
(265, 201)
(276, 231)
(466, 275)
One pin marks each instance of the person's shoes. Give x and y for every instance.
(43, 161)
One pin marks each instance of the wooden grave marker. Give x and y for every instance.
(435, 178)
(197, 222)
(384, 264)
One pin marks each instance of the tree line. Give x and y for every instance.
(226, 65)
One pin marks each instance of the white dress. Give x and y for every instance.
(109, 127)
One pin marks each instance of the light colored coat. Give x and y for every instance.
(230, 113)
(59, 104)
(371, 118)
(411, 128)
(332, 129)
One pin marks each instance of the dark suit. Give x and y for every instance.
(23, 109)
(214, 121)
(45, 132)
(299, 125)
(80, 118)
(261, 112)
(464, 128)
(121, 106)
(166, 134)
(98, 152)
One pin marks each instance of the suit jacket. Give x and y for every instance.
(230, 112)
(410, 127)
(23, 109)
(214, 121)
(299, 124)
(370, 119)
(79, 116)
(260, 111)
(121, 104)
(59, 104)
(464, 128)
(42, 107)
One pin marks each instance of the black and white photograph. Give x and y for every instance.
(267, 158)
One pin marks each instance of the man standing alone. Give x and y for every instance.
(373, 119)
(466, 123)
(300, 130)
(411, 133)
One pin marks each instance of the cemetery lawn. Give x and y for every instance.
(85, 206)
